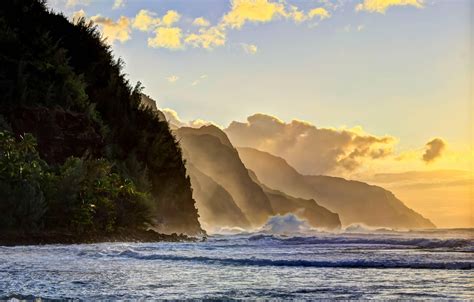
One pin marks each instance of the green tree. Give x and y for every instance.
(22, 202)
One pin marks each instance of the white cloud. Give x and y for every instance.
(350, 28)
(202, 22)
(172, 78)
(175, 121)
(73, 3)
(201, 77)
(249, 48)
(118, 4)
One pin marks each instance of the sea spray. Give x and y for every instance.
(286, 224)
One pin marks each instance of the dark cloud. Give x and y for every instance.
(434, 149)
(309, 149)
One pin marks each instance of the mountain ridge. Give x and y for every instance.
(210, 151)
(221, 162)
(354, 201)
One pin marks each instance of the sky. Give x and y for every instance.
(384, 85)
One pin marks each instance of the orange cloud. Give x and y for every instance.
(166, 37)
(310, 149)
(114, 31)
(145, 20)
(252, 11)
(175, 121)
(201, 22)
(381, 6)
(207, 37)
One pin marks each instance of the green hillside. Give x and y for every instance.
(78, 151)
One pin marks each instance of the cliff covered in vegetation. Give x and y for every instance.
(78, 151)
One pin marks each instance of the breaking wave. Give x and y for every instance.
(286, 224)
(289, 229)
(300, 263)
(424, 243)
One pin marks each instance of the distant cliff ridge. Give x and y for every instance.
(307, 209)
(243, 189)
(354, 201)
(228, 195)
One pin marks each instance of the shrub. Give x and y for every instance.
(79, 196)
(22, 202)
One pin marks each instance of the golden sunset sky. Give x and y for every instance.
(373, 90)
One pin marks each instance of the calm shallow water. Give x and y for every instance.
(387, 265)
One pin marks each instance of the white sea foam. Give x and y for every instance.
(286, 224)
(283, 260)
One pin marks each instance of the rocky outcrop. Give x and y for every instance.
(57, 237)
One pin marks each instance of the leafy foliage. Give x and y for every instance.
(48, 61)
(81, 195)
(21, 173)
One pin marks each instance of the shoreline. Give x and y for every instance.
(58, 237)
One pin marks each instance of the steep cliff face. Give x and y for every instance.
(216, 158)
(61, 83)
(217, 209)
(219, 178)
(354, 201)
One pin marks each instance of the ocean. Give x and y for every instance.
(355, 263)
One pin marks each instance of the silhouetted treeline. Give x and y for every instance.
(87, 155)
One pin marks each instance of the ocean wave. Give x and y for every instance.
(425, 243)
(289, 229)
(286, 224)
(364, 229)
(303, 263)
